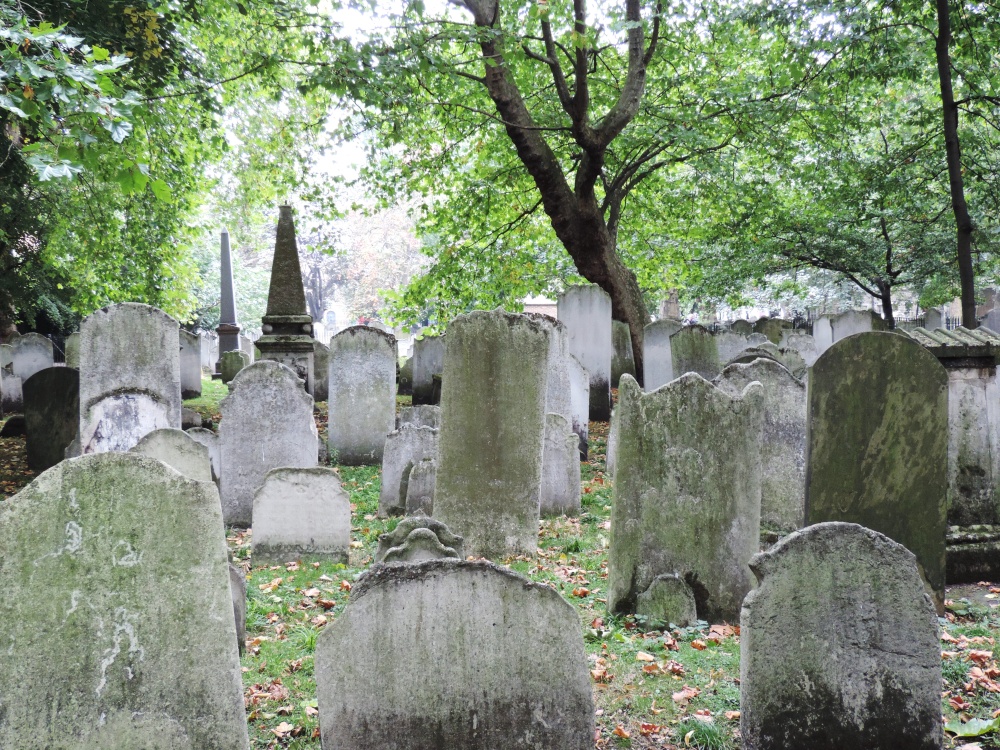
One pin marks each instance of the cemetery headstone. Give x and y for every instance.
(190, 364)
(933, 319)
(693, 349)
(231, 364)
(179, 451)
(669, 600)
(622, 360)
(803, 344)
(585, 310)
(51, 415)
(238, 586)
(11, 400)
(579, 394)
(420, 484)
(855, 321)
(729, 345)
(428, 361)
(657, 361)
(516, 673)
(267, 423)
(321, 368)
(560, 469)
(839, 646)
(362, 394)
(822, 334)
(686, 493)
(772, 328)
(211, 441)
(877, 450)
(417, 539)
(742, 327)
(71, 350)
(190, 418)
(31, 352)
(404, 449)
(301, 513)
(420, 416)
(405, 386)
(489, 471)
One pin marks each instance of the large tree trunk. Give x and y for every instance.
(885, 291)
(953, 152)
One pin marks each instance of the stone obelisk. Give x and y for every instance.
(229, 329)
(287, 325)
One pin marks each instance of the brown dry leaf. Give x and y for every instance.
(703, 714)
(600, 674)
(269, 587)
(581, 592)
(948, 637)
(724, 631)
(652, 669)
(698, 645)
(283, 729)
(311, 711)
(686, 694)
(732, 715)
(319, 621)
(620, 731)
(643, 656)
(980, 657)
(646, 729)
(674, 668)
(345, 585)
(311, 593)
(326, 603)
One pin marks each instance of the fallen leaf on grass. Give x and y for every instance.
(686, 694)
(972, 728)
(643, 656)
(647, 729)
(732, 715)
(620, 731)
(698, 645)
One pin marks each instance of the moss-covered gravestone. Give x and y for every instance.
(877, 446)
(428, 361)
(51, 414)
(321, 371)
(480, 659)
(686, 493)
(118, 618)
(489, 473)
(267, 423)
(231, 363)
(419, 416)
(361, 401)
(71, 348)
(783, 448)
(693, 349)
(130, 376)
(839, 646)
(772, 328)
(10, 384)
(657, 362)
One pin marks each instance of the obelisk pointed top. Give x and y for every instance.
(227, 302)
(286, 295)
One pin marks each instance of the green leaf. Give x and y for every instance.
(99, 53)
(120, 130)
(972, 728)
(162, 191)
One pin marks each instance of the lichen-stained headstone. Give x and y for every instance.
(693, 349)
(51, 414)
(190, 364)
(729, 345)
(31, 352)
(404, 449)
(72, 350)
(420, 484)
(585, 310)
(301, 513)
(231, 363)
(489, 474)
(428, 361)
(560, 469)
(130, 378)
(622, 359)
(657, 363)
(118, 621)
(686, 493)
(481, 659)
(772, 328)
(362, 394)
(267, 423)
(801, 343)
(877, 450)
(426, 415)
(179, 451)
(579, 395)
(839, 646)
(851, 322)
(783, 448)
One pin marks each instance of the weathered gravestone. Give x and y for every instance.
(669, 600)
(321, 369)
(11, 401)
(420, 484)
(801, 343)
(404, 449)
(742, 327)
(190, 363)
(855, 321)
(839, 646)
(693, 349)
(772, 328)
(877, 451)
(71, 350)
(622, 360)
(579, 401)
(231, 363)
(417, 539)
(428, 361)
(405, 385)
(211, 441)
(783, 447)
(30, 353)
(118, 619)
(301, 513)
(130, 378)
(190, 418)
(585, 310)
(179, 451)
(481, 659)
(51, 414)
(686, 493)
(657, 361)
(822, 334)
(560, 469)
(362, 394)
(489, 472)
(420, 416)
(267, 423)
(729, 345)
(238, 586)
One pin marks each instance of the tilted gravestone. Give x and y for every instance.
(404, 449)
(190, 364)
(362, 394)
(579, 395)
(693, 349)
(31, 353)
(130, 379)
(783, 447)
(179, 451)
(877, 450)
(301, 513)
(116, 592)
(267, 423)
(482, 659)
(585, 310)
(51, 415)
(420, 416)
(489, 472)
(686, 493)
(560, 469)
(428, 361)
(839, 646)
(622, 359)
(657, 361)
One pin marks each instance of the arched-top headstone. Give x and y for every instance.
(31, 352)
(729, 344)
(179, 451)
(361, 402)
(686, 493)
(267, 423)
(822, 333)
(130, 379)
(877, 450)
(839, 646)
(772, 328)
(116, 592)
(801, 343)
(742, 327)
(657, 363)
(851, 322)
(51, 414)
(693, 349)
(586, 312)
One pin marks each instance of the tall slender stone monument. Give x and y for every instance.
(229, 329)
(287, 325)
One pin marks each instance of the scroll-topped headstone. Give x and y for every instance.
(489, 474)
(116, 591)
(404, 449)
(693, 349)
(877, 449)
(686, 493)
(839, 646)
(481, 659)
(657, 362)
(190, 364)
(267, 423)
(51, 414)
(287, 325)
(179, 451)
(417, 539)
(428, 361)
(130, 378)
(783, 447)
(362, 394)
(586, 312)
(31, 353)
